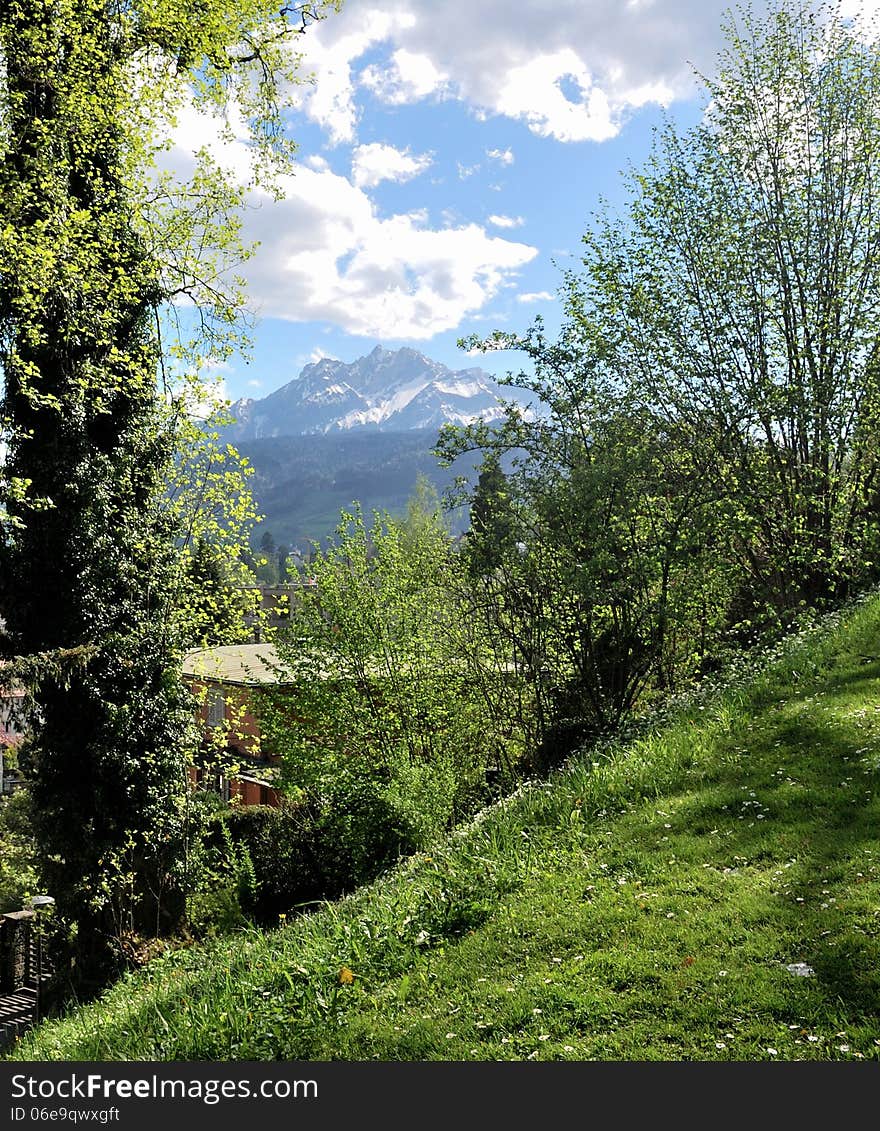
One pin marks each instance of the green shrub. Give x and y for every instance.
(18, 876)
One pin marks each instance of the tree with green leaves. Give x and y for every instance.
(95, 245)
(739, 296)
(383, 726)
(594, 562)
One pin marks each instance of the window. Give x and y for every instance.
(216, 707)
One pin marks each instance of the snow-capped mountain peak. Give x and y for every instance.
(386, 390)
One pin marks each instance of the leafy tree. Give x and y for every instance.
(383, 729)
(216, 609)
(492, 535)
(94, 243)
(591, 561)
(739, 296)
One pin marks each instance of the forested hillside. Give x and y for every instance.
(301, 483)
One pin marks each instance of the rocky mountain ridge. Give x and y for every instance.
(384, 391)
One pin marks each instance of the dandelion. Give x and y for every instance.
(346, 977)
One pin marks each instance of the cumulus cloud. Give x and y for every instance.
(316, 161)
(319, 354)
(329, 50)
(506, 221)
(573, 75)
(326, 255)
(408, 77)
(852, 9)
(378, 162)
(535, 296)
(505, 156)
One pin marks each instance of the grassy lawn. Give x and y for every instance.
(643, 905)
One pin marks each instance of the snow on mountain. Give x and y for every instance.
(386, 390)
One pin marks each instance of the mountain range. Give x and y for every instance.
(361, 432)
(384, 391)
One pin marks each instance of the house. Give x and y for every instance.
(226, 682)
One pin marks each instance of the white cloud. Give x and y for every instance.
(505, 156)
(205, 398)
(211, 364)
(535, 296)
(575, 75)
(409, 77)
(326, 255)
(319, 354)
(506, 221)
(378, 162)
(329, 50)
(859, 9)
(317, 162)
(533, 91)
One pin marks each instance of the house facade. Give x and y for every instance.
(226, 682)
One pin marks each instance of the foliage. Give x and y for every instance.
(223, 883)
(94, 246)
(281, 843)
(738, 296)
(383, 724)
(594, 562)
(643, 900)
(18, 875)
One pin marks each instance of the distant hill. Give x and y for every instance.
(363, 430)
(302, 482)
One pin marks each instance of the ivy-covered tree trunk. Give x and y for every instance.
(94, 242)
(85, 568)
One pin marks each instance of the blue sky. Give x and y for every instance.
(450, 158)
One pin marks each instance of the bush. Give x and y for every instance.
(225, 885)
(301, 853)
(18, 876)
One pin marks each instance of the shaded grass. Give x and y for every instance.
(642, 905)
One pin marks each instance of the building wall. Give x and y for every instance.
(240, 733)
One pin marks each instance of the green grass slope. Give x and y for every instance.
(645, 904)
